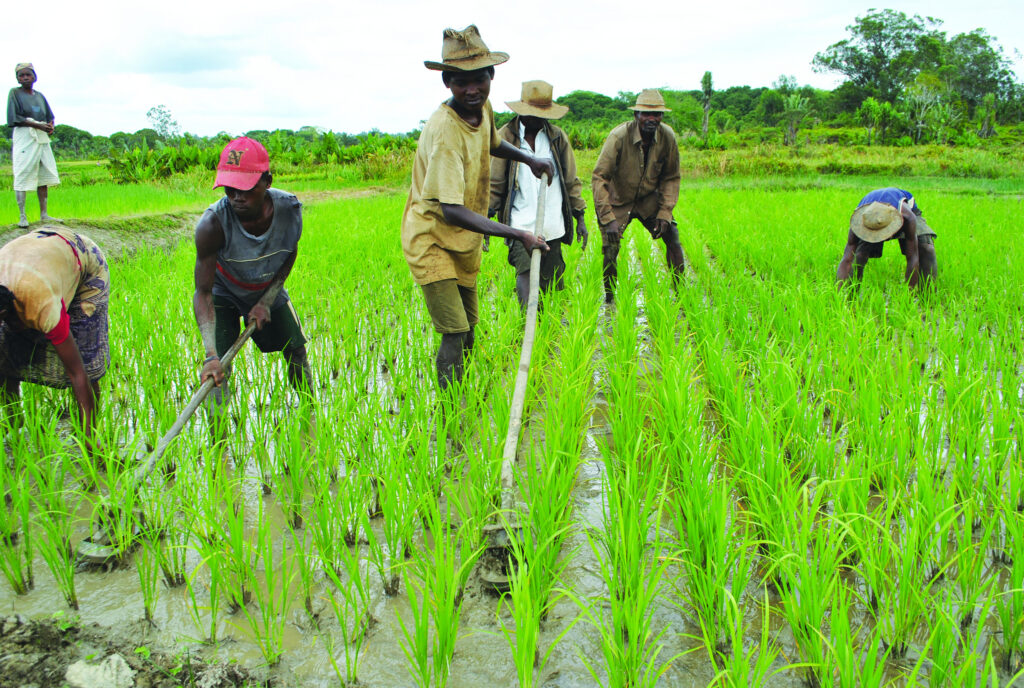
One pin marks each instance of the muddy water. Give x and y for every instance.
(482, 658)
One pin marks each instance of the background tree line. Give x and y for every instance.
(906, 82)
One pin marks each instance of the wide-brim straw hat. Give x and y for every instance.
(650, 100)
(876, 222)
(464, 51)
(535, 101)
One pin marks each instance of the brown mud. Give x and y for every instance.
(38, 652)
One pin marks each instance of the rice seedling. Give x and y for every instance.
(444, 568)
(809, 577)
(147, 565)
(739, 667)
(1010, 601)
(55, 510)
(272, 598)
(415, 640)
(398, 510)
(349, 596)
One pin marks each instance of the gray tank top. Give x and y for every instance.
(246, 264)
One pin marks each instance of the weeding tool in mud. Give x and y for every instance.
(499, 542)
(97, 549)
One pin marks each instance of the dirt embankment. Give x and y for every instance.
(123, 236)
(39, 652)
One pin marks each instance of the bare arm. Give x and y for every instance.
(846, 263)
(209, 240)
(910, 246)
(69, 355)
(261, 311)
(461, 216)
(538, 166)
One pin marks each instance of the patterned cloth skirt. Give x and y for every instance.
(89, 326)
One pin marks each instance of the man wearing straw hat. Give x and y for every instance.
(883, 215)
(444, 224)
(514, 189)
(637, 177)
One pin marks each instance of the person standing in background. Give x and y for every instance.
(31, 121)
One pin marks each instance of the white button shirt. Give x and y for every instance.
(524, 203)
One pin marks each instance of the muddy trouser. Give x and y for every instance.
(610, 251)
(283, 332)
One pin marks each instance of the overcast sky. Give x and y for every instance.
(354, 66)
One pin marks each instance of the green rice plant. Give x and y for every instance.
(147, 565)
(534, 547)
(905, 580)
(1010, 602)
(715, 552)
(398, 510)
(969, 564)
(944, 642)
(444, 568)
(238, 557)
(172, 548)
(54, 516)
(739, 667)
(416, 632)
(630, 556)
(273, 598)
(116, 513)
(17, 545)
(306, 567)
(349, 595)
(809, 577)
(292, 452)
(328, 525)
(211, 555)
(854, 667)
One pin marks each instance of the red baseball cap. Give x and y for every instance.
(242, 163)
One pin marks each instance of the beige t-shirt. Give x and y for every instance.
(42, 272)
(452, 165)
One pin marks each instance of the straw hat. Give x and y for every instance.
(650, 100)
(535, 101)
(876, 222)
(464, 51)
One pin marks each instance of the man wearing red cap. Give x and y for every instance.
(246, 245)
(444, 221)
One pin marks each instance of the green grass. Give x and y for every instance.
(787, 477)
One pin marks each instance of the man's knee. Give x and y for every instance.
(926, 258)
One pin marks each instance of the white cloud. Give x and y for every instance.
(356, 66)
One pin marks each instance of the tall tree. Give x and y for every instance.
(974, 65)
(885, 51)
(163, 122)
(795, 109)
(708, 91)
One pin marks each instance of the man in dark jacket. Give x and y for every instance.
(514, 190)
(637, 178)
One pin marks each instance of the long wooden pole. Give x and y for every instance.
(515, 419)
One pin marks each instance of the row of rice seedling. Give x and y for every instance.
(795, 483)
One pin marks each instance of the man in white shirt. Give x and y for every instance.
(514, 189)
